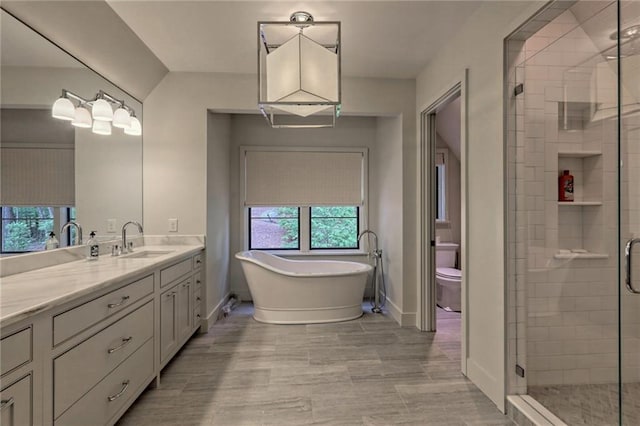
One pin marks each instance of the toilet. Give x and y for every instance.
(448, 278)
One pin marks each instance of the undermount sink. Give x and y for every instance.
(147, 254)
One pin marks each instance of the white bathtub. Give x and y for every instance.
(303, 291)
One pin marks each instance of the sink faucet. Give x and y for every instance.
(125, 248)
(78, 233)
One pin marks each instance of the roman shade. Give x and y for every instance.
(303, 178)
(37, 177)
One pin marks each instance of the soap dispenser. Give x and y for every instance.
(92, 247)
(52, 242)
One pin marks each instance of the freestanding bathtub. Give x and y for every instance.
(303, 291)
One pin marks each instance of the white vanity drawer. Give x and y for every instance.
(72, 322)
(103, 401)
(17, 405)
(16, 350)
(173, 272)
(76, 371)
(197, 261)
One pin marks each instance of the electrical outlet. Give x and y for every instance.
(111, 225)
(173, 225)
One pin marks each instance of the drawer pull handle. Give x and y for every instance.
(122, 302)
(125, 385)
(198, 298)
(198, 281)
(198, 261)
(125, 342)
(6, 403)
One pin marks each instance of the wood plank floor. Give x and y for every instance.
(368, 371)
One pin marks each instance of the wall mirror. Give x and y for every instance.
(51, 171)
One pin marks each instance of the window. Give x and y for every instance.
(26, 229)
(274, 228)
(334, 227)
(441, 193)
(304, 228)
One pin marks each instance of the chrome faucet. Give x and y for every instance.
(125, 248)
(376, 253)
(78, 233)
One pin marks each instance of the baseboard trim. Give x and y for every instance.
(213, 316)
(404, 319)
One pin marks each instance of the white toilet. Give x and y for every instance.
(448, 278)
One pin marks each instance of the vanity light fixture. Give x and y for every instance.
(299, 83)
(101, 117)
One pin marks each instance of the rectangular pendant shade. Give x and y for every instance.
(303, 178)
(299, 73)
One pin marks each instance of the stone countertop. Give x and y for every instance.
(32, 292)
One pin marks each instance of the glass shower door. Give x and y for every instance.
(628, 74)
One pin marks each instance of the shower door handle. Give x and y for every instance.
(628, 258)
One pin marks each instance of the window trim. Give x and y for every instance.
(310, 231)
(363, 222)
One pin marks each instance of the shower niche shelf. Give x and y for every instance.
(569, 256)
(586, 168)
(580, 221)
(579, 203)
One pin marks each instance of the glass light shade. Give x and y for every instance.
(63, 109)
(82, 118)
(303, 71)
(101, 110)
(101, 127)
(135, 129)
(121, 119)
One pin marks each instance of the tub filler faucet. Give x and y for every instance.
(376, 254)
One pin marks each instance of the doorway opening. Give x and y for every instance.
(443, 220)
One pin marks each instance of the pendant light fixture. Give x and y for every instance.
(101, 118)
(299, 82)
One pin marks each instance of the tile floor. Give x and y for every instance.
(368, 371)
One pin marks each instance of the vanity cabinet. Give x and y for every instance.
(16, 403)
(180, 306)
(85, 361)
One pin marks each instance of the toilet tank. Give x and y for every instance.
(446, 255)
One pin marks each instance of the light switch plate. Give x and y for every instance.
(111, 225)
(173, 225)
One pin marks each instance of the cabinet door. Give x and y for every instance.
(168, 324)
(185, 309)
(16, 405)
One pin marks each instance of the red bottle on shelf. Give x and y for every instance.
(565, 186)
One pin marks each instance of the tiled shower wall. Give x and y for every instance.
(563, 312)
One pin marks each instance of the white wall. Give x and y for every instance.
(479, 47)
(218, 207)
(385, 198)
(176, 153)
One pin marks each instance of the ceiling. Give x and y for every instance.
(385, 39)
